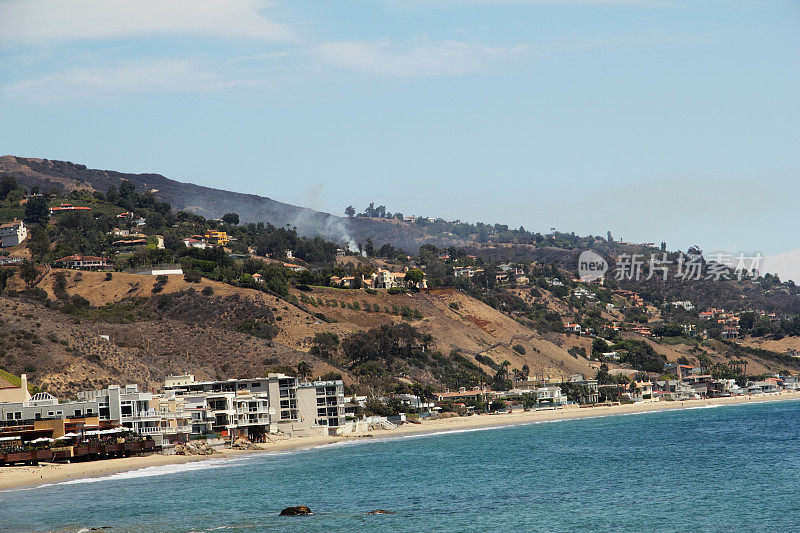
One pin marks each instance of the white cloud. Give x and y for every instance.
(162, 75)
(419, 59)
(36, 21)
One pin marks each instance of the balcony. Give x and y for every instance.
(150, 430)
(150, 414)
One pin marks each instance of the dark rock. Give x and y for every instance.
(299, 510)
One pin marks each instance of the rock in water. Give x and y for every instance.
(299, 510)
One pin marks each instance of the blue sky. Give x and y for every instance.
(657, 120)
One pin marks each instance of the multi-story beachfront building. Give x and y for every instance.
(326, 399)
(271, 404)
(130, 407)
(176, 421)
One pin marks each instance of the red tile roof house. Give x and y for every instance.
(88, 262)
(68, 207)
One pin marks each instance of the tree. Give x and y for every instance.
(599, 346)
(7, 184)
(419, 391)
(369, 248)
(303, 369)
(231, 218)
(192, 276)
(39, 243)
(350, 211)
(414, 277)
(5, 273)
(36, 211)
(28, 273)
(155, 221)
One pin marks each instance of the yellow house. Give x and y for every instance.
(219, 238)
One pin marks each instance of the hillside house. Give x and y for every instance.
(67, 207)
(129, 243)
(581, 293)
(573, 328)
(217, 238)
(294, 268)
(12, 233)
(191, 242)
(84, 262)
(384, 279)
(730, 332)
(466, 272)
(346, 281)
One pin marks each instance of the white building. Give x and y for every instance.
(13, 233)
(552, 396)
(128, 406)
(272, 404)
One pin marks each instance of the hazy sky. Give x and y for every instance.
(657, 120)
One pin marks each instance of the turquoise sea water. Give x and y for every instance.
(731, 468)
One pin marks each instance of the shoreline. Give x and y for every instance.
(17, 477)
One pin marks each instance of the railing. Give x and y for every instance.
(150, 413)
(149, 430)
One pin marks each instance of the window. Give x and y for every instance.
(77, 412)
(9, 416)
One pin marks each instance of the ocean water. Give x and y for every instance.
(731, 468)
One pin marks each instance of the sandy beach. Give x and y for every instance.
(24, 476)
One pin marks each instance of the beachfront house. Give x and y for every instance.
(293, 407)
(126, 405)
(642, 391)
(550, 397)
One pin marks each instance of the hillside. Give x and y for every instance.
(64, 177)
(211, 203)
(197, 328)
(66, 353)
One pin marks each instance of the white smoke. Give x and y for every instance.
(312, 223)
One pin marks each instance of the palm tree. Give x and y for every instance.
(419, 391)
(634, 388)
(303, 370)
(505, 366)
